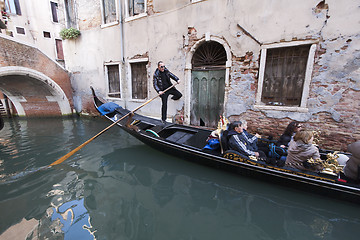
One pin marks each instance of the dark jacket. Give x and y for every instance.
(158, 81)
(352, 165)
(284, 140)
(251, 140)
(238, 143)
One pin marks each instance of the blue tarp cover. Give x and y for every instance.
(108, 107)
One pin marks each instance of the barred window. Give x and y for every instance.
(284, 75)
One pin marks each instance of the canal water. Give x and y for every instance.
(118, 188)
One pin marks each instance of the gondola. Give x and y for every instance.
(187, 142)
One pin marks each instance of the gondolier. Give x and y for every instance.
(161, 82)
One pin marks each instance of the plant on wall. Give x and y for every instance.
(4, 14)
(69, 33)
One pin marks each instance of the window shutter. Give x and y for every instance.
(54, 11)
(17, 7)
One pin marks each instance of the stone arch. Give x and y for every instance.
(52, 91)
(188, 69)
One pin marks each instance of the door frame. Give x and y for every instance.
(188, 70)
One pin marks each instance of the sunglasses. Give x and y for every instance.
(162, 66)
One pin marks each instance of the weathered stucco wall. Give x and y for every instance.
(85, 57)
(172, 28)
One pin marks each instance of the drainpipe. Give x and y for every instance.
(121, 32)
(122, 54)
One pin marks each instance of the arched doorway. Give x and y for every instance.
(208, 84)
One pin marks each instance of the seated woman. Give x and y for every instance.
(288, 134)
(300, 150)
(351, 169)
(238, 142)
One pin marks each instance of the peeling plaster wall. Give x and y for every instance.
(173, 27)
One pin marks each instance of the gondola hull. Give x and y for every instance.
(187, 142)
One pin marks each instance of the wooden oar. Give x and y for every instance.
(60, 160)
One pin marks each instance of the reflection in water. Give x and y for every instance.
(117, 188)
(75, 220)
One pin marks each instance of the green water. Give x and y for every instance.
(118, 188)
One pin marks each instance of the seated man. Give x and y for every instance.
(249, 138)
(238, 142)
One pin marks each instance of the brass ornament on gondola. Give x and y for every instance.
(330, 165)
(316, 135)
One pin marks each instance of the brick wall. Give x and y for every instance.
(13, 53)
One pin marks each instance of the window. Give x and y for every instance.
(109, 11)
(139, 80)
(135, 7)
(20, 30)
(12, 6)
(54, 7)
(70, 13)
(113, 81)
(59, 49)
(285, 73)
(47, 34)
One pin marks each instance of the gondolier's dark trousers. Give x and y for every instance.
(164, 97)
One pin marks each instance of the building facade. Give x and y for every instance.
(36, 22)
(269, 62)
(33, 80)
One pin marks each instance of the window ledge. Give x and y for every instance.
(281, 108)
(114, 98)
(138, 100)
(109, 24)
(141, 15)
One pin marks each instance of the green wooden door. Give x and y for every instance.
(207, 97)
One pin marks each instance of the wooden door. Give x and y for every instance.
(207, 97)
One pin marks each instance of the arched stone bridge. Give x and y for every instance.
(36, 84)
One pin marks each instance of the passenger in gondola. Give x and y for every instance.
(288, 134)
(352, 167)
(301, 150)
(238, 142)
(249, 138)
(213, 142)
